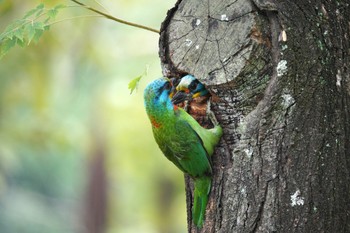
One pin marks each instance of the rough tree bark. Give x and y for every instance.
(281, 70)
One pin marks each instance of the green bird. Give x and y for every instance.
(183, 141)
(195, 98)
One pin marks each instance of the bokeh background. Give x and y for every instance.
(76, 149)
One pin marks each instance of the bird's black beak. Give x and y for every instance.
(174, 82)
(180, 97)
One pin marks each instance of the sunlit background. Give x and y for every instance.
(76, 149)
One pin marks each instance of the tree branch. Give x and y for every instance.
(116, 19)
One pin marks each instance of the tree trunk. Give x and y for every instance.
(281, 71)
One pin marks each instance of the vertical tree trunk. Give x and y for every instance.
(281, 71)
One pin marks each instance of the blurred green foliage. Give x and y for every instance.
(28, 28)
(65, 98)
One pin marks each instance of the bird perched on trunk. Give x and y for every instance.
(196, 99)
(183, 141)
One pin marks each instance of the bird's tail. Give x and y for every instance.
(201, 192)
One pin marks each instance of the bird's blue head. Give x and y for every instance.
(157, 96)
(189, 88)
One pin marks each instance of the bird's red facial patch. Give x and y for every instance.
(155, 123)
(175, 107)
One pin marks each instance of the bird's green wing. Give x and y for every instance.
(183, 146)
(189, 150)
(162, 139)
(209, 137)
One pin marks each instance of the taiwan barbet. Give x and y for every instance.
(183, 141)
(194, 97)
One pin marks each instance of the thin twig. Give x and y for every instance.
(116, 19)
(71, 18)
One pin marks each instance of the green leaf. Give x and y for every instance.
(40, 9)
(37, 35)
(10, 29)
(54, 11)
(33, 11)
(30, 31)
(133, 84)
(6, 45)
(35, 31)
(19, 34)
(39, 25)
(21, 43)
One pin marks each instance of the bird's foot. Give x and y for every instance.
(211, 114)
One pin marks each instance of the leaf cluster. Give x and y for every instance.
(29, 28)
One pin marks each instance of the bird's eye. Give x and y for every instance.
(193, 85)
